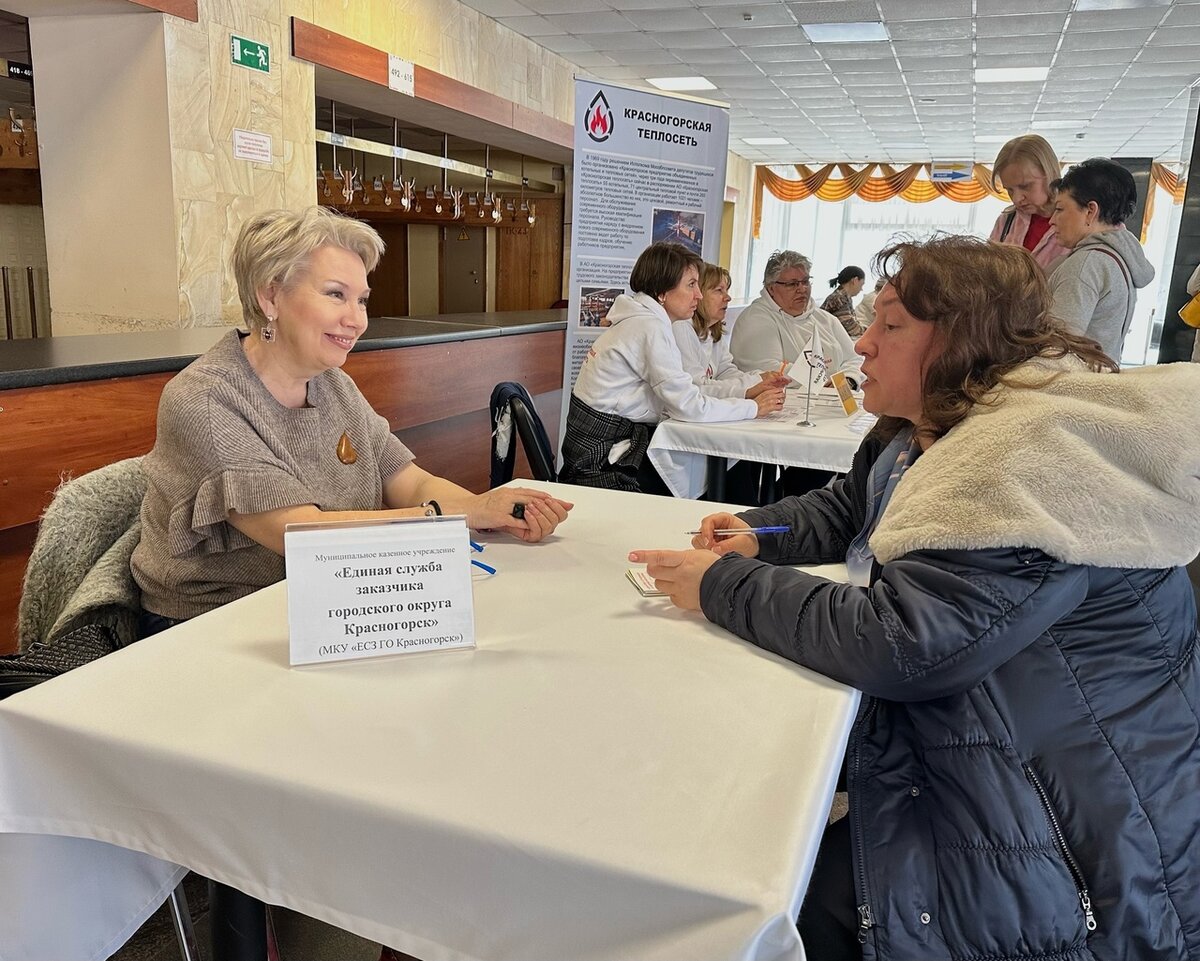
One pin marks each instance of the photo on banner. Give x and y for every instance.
(649, 167)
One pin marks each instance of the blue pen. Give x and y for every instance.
(746, 530)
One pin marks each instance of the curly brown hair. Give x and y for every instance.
(991, 306)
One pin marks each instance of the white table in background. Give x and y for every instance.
(693, 458)
(604, 776)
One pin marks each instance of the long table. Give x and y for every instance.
(693, 458)
(603, 776)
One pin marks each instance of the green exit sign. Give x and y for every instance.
(250, 53)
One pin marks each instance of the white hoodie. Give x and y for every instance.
(634, 370)
(709, 363)
(764, 337)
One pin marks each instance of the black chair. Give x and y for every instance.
(513, 412)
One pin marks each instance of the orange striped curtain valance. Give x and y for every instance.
(896, 183)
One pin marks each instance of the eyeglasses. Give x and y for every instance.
(791, 284)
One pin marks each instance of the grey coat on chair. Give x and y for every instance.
(78, 573)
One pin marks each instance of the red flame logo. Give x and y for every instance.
(598, 118)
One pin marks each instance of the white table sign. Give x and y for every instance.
(370, 588)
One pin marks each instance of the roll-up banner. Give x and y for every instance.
(648, 167)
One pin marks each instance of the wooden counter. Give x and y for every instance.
(69, 405)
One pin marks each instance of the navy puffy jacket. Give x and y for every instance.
(1028, 746)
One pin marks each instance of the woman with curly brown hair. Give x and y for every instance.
(1023, 772)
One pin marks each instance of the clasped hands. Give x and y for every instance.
(493, 510)
(678, 573)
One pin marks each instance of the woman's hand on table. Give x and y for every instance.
(709, 540)
(770, 378)
(540, 512)
(770, 401)
(677, 573)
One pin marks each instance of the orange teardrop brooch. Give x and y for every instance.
(345, 450)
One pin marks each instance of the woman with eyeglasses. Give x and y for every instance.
(776, 328)
(1027, 167)
(633, 377)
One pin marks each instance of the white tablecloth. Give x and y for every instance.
(678, 450)
(604, 776)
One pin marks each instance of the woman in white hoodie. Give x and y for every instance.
(633, 377)
(705, 348)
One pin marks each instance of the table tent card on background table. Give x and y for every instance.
(371, 588)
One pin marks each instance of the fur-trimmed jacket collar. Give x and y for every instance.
(1097, 469)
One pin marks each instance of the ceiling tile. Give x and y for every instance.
(925, 9)
(989, 61)
(1002, 8)
(565, 44)
(1117, 19)
(500, 8)
(532, 26)
(1080, 39)
(696, 40)
(930, 30)
(751, 37)
(563, 6)
(918, 49)
(583, 24)
(670, 20)
(1036, 43)
(1183, 14)
(1019, 26)
(786, 54)
(841, 11)
(641, 58)
(762, 15)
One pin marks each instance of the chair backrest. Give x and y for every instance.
(513, 412)
(534, 439)
(78, 570)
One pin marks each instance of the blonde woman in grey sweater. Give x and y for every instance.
(264, 430)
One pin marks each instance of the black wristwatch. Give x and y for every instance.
(432, 508)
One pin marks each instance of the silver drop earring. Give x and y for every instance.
(268, 332)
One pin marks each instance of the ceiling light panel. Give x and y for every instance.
(1011, 75)
(862, 31)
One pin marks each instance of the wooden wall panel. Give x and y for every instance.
(184, 9)
(422, 385)
(15, 545)
(69, 429)
(318, 45)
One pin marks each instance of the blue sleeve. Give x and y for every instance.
(935, 623)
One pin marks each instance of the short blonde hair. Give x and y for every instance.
(275, 245)
(1032, 149)
(711, 277)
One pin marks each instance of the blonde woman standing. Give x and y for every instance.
(1026, 167)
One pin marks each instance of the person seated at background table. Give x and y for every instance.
(846, 286)
(864, 313)
(1024, 769)
(633, 377)
(1027, 167)
(1094, 290)
(705, 349)
(264, 430)
(775, 329)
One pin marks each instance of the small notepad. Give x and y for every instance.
(644, 583)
